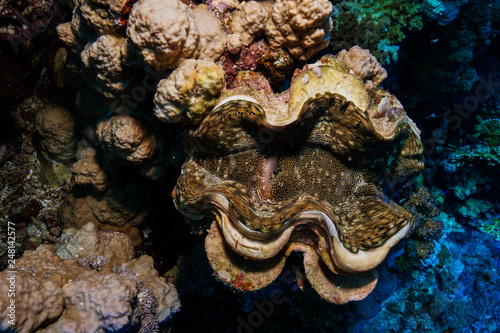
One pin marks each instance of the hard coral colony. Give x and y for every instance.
(305, 170)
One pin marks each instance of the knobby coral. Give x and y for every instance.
(302, 27)
(168, 32)
(105, 291)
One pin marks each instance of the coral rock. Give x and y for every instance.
(103, 60)
(116, 247)
(234, 43)
(87, 170)
(115, 5)
(121, 208)
(45, 264)
(166, 295)
(85, 295)
(164, 31)
(76, 33)
(96, 18)
(212, 40)
(96, 303)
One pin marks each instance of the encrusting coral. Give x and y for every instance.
(168, 32)
(364, 65)
(95, 293)
(249, 21)
(189, 93)
(303, 27)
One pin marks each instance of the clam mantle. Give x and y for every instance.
(304, 170)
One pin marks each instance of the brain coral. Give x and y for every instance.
(304, 170)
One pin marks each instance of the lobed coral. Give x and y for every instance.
(73, 296)
(189, 93)
(302, 27)
(103, 61)
(56, 126)
(364, 65)
(127, 138)
(37, 300)
(87, 242)
(168, 32)
(249, 21)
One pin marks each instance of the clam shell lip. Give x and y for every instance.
(331, 81)
(247, 243)
(283, 109)
(236, 98)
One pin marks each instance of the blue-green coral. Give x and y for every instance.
(491, 131)
(492, 228)
(476, 156)
(398, 15)
(375, 25)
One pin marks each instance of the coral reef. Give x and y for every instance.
(442, 12)
(448, 67)
(31, 188)
(298, 180)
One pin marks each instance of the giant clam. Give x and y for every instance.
(304, 170)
